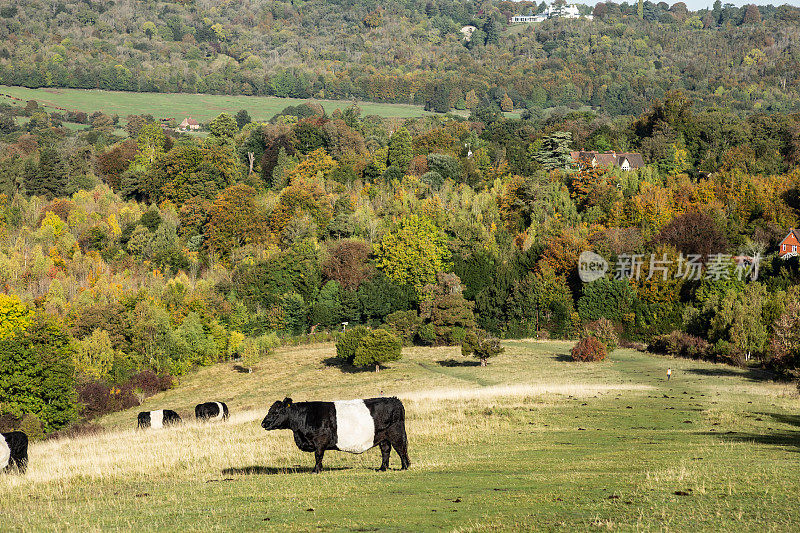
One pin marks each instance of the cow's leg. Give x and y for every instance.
(386, 449)
(318, 453)
(400, 444)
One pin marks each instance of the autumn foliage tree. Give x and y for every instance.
(413, 252)
(235, 219)
(348, 263)
(693, 233)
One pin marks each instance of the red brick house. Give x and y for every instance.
(790, 245)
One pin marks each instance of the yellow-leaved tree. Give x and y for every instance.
(413, 253)
(15, 316)
(95, 355)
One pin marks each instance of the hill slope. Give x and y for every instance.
(406, 51)
(530, 442)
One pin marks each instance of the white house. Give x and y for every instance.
(467, 32)
(527, 19)
(566, 11)
(189, 124)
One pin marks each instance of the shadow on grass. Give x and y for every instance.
(792, 420)
(753, 374)
(785, 437)
(454, 363)
(347, 368)
(257, 470)
(563, 358)
(790, 439)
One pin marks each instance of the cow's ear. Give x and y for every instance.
(287, 402)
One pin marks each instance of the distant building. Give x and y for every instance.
(527, 19)
(625, 161)
(189, 124)
(788, 246)
(552, 12)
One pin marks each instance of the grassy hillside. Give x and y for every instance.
(202, 107)
(531, 442)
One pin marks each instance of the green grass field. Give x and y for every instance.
(531, 442)
(201, 107)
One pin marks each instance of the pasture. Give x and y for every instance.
(531, 442)
(202, 107)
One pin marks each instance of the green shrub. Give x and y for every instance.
(457, 335)
(427, 334)
(379, 346)
(588, 349)
(481, 345)
(32, 427)
(348, 343)
(404, 324)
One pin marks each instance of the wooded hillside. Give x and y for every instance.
(409, 51)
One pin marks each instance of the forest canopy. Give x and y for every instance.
(746, 58)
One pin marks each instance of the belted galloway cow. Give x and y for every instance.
(157, 419)
(14, 451)
(352, 426)
(209, 411)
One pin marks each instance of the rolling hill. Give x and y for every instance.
(533, 441)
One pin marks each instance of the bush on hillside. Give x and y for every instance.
(148, 382)
(379, 346)
(481, 345)
(404, 324)
(680, 344)
(97, 399)
(589, 348)
(427, 334)
(605, 332)
(32, 427)
(348, 343)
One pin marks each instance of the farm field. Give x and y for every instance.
(202, 107)
(531, 442)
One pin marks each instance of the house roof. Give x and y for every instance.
(189, 121)
(609, 158)
(634, 159)
(794, 232)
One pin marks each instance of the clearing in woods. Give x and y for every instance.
(531, 442)
(202, 107)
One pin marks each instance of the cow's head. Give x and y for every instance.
(278, 415)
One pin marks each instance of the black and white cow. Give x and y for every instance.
(14, 451)
(209, 411)
(352, 426)
(158, 419)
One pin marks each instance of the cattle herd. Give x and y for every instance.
(352, 426)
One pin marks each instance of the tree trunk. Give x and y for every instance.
(377, 367)
(483, 361)
(251, 157)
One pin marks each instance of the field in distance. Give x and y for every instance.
(531, 442)
(201, 107)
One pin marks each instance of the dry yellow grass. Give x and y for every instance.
(530, 442)
(195, 450)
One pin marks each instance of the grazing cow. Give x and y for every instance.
(352, 426)
(158, 419)
(211, 411)
(14, 451)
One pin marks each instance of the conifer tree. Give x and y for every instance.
(400, 149)
(50, 177)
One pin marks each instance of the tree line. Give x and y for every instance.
(129, 258)
(411, 52)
